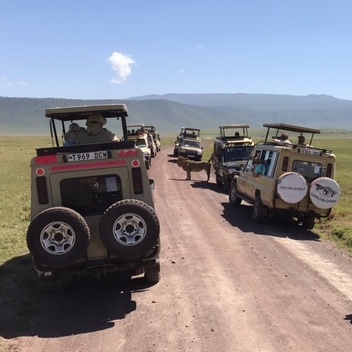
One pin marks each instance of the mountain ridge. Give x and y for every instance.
(206, 111)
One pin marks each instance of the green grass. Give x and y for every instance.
(17, 277)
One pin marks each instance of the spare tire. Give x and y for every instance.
(291, 187)
(129, 228)
(324, 192)
(57, 237)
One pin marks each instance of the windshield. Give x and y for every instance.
(190, 144)
(141, 143)
(237, 153)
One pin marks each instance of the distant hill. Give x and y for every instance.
(169, 112)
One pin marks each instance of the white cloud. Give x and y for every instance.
(122, 65)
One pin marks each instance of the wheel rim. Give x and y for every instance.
(129, 229)
(57, 238)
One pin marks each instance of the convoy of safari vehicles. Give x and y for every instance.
(92, 206)
(156, 136)
(143, 140)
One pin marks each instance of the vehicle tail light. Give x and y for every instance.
(46, 159)
(329, 170)
(42, 190)
(137, 180)
(285, 164)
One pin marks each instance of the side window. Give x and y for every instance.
(250, 165)
(266, 163)
(270, 163)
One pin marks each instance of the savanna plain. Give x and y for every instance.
(20, 289)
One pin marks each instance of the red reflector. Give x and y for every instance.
(135, 163)
(47, 159)
(40, 172)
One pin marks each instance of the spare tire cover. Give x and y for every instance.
(324, 192)
(291, 187)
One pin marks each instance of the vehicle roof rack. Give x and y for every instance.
(82, 112)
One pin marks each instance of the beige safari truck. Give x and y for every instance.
(144, 141)
(92, 207)
(287, 175)
(156, 136)
(231, 151)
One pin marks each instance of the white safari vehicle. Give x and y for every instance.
(92, 206)
(286, 174)
(188, 133)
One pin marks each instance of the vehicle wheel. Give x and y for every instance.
(129, 228)
(152, 274)
(233, 198)
(308, 221)
(57, 237)
(260, 212)
(175, 152)
(226, 185)
(218, 180)
(147, 164)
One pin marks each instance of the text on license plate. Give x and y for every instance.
(87, 156)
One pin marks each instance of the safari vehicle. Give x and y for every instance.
(92, 207)
(284, 177)
(231, 151)
(156, 137)
(186, 133)
(144, 141)
(190, 149)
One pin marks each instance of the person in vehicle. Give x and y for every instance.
(258, 166)
(283, 140)
(70, 137)
(95, 132)
(301, 140)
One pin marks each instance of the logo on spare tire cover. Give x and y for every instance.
(291, 187)
(324, 192)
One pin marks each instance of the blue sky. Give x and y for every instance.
(115, 49)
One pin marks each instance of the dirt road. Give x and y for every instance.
(227, 285)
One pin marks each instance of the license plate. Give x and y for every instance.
(313, 152)
(87, 156)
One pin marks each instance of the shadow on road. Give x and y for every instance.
(241, 217)
(30, 307)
